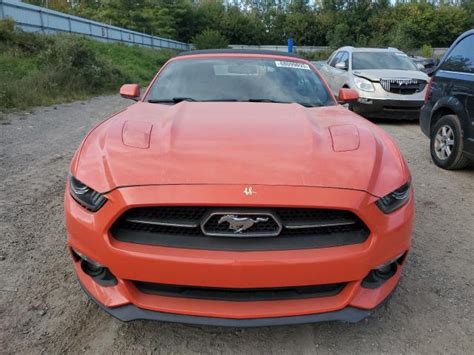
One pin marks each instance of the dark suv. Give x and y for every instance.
(447, 116)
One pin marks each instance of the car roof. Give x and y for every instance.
(367, 49)
(461, 37)
(238, 51)
(467, 33)
(451, 47)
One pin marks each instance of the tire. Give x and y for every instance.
(446, 143)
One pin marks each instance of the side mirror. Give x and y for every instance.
(347, 95)
(420, 66)
(341, 65)
(130, 91)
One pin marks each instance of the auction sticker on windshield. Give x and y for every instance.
(293, 65)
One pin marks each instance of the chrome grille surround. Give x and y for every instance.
(403, 86)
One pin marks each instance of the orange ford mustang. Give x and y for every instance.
(238, 192)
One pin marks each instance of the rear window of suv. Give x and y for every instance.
(461, 58)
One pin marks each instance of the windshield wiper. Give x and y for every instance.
(305, 104)
(220, 100)
(174, 100)
(310, 104)
(268, 100)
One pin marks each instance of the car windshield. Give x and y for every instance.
(239, 79)
(381, 60)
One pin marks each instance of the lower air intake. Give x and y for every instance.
(237, 294)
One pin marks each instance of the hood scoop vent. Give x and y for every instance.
(136, 134)
(344, 138)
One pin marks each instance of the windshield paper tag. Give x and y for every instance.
(293, 65)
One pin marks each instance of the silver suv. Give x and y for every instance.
(389, 84)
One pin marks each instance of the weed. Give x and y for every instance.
(37, 69)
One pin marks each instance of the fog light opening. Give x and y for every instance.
(364, 100)
(99, 273)
(386, 271)
(379, 275)
(91, 268)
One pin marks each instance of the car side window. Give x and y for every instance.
(461, 59)
(335, 59)
(331, 57)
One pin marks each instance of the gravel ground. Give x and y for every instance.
(42, 308)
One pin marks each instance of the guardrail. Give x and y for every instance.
(281, 48)
(39, 19)
(437, 52)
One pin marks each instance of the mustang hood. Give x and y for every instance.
(376, 74)
(239, 143)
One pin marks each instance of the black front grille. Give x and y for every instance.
(240, 294)
(403, 86)
(195, 227)
(170, 215)
(119, 228)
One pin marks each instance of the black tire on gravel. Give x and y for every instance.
(457, 159)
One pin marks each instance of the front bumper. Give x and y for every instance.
(89, 234)
(388, 108)
(425, 118)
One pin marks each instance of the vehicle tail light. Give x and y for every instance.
(428, 90)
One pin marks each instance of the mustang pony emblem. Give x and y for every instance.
(240, 224)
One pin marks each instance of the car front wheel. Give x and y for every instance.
(447, 143)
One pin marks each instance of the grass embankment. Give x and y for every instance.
(39, 70)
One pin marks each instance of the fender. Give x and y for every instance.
(77, 154)
(453, 104)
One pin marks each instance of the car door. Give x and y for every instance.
(327, 72)
(338, 75)
(460, 65)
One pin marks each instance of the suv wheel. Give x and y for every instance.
(447, 144)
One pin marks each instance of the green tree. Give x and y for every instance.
(210, 39)
(404, 23)
(341, 36)
(242, 27)
(450, 22)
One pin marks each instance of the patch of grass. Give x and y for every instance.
(316, 55)
(42, 70)
(138, 63)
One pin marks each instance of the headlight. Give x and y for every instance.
(85, 196)
(394, 200)
(363, 84)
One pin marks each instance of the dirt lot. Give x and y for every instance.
(42, 308)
